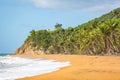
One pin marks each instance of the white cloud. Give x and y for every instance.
(45, 3)
(103, 7)
(90, 5)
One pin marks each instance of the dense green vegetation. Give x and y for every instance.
(100, 36)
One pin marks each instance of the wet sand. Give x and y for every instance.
(82, 68)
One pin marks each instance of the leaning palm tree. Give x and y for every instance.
(108, 34)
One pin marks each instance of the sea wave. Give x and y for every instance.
(12, 68)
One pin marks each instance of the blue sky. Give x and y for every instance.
(19, 17)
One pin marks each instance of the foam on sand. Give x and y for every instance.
(17, 67)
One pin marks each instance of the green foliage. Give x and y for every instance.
(58, 26)
(100, 36)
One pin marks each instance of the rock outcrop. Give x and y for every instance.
(26, 48)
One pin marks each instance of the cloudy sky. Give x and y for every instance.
(19, 17)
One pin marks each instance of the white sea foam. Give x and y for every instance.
(12, 68)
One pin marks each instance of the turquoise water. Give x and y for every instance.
(4, 54)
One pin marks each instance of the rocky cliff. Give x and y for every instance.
(26, 48)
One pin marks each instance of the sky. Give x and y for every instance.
(19, 17)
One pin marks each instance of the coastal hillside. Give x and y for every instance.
(100, 36)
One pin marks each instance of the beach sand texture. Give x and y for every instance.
(82, 68)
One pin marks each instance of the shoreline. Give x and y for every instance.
(82, 67)
(13, 68)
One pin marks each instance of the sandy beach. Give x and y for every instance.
(82, 68)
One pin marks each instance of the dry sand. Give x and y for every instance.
(82, 68)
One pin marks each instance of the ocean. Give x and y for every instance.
(5, 54)
(12, 68)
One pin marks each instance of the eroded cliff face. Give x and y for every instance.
(26, 48)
